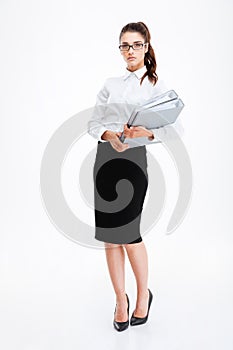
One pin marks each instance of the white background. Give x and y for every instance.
(56, 294)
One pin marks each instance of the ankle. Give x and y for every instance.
(143, 293)
(120, 296)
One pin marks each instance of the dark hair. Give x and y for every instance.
(149, 60)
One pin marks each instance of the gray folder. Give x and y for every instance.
(155, 113)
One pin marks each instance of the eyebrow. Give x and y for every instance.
(138, 41)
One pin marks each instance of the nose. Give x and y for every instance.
(131, 50)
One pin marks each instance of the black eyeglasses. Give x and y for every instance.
(136, 46)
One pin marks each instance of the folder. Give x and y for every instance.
(154, 113)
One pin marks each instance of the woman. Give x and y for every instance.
(119, 226)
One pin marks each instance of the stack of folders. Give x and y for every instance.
(155, 113)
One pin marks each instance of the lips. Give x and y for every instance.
(131, 58)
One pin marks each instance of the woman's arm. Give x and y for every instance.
(95, 126)
(168, 132)
(165, 133)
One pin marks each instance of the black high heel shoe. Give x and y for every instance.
(121, 326)
(134, 321)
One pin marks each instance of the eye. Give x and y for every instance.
(124, 47)
(138, 45)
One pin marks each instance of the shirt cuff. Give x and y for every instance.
(168, 132)
(97, 133)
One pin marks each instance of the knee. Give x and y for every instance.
(133, 245)
(112, 245)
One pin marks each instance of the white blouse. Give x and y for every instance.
(116, 100)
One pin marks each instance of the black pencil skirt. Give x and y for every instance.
(120, 185)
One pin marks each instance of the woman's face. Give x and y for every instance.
(133, 58)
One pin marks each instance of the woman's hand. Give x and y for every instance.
(113, 138)
(137, 131)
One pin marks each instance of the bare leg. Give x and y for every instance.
(138, 258)
(115, 256)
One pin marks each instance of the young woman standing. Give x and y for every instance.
(120, 230)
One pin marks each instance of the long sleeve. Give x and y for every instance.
(166, 132)
(95, 126)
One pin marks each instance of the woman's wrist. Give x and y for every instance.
(108, 135)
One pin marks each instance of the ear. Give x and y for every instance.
(146, 47)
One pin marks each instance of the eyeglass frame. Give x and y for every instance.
(129, 46)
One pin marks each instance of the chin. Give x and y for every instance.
(132, 64)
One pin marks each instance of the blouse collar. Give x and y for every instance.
(138, 73)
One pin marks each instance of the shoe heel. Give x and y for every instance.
(134, 321)
(121, 326)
